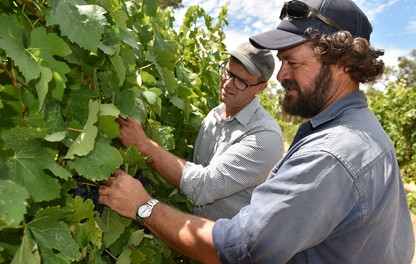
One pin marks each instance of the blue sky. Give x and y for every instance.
(394, 21)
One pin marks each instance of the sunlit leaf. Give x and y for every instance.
(85, 141)
(77, 20)
(11, 40)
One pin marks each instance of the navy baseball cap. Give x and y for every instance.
(324, 16)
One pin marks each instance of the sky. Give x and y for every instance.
(393, 21)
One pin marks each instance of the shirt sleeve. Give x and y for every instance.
(289, 212)
(244, 164)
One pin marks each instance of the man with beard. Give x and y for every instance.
(337, 196)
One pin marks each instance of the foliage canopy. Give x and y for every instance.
(68, 69)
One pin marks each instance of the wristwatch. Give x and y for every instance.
(145, 210)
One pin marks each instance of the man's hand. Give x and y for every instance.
(123, 194)
(131, 133)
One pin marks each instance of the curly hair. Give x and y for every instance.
(354, 54)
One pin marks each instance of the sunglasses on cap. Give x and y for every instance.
(300, 10)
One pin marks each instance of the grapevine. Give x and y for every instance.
(67, 70)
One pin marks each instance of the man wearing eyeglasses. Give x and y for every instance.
(337, 195)
(237, 145)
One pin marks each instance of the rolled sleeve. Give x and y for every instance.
(234, 168)
(227, 235)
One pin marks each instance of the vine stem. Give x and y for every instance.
(74, 129)
(15, 83)
(34, 11)
(146, 66)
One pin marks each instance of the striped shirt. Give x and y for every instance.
(231, 157)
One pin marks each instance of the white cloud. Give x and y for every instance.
(374, 7)
(392, 54)
(411, 28)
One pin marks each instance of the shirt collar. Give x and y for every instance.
(353, 100)
(244, 115)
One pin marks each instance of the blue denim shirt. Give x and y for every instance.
(336, 197)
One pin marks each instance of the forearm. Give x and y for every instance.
(188, 234)
(165, 163)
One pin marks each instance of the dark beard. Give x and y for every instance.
(309, 103)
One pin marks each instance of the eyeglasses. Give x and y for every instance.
(300, 10)
(238, 83)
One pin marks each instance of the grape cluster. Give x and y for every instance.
(87, 190)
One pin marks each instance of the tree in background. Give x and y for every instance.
(395, 107)
(170, 3)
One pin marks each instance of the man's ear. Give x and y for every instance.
(261, 87)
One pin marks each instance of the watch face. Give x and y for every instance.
(144, 211)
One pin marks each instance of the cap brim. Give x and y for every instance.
(277, 39)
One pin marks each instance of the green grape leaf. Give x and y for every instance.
(12, 41)
(168, 79)
(42, 85)
(43, 48)
(17, 138)
(124, 257)
(27, 168)
(141, 110)
(99, 163)
(147, 78)
(82, 210)
(52, 214)
(162, 135)
(84, 222)
(152, 97)
(82, 23)
(55, 125)
(125, 101)
(119, 68)
(54, 235)
(138, 257)
(136, 237)
(55, 137)
(178, 102)
(150, 7)
(108, 109)
(84, 143)
(12, 204)
(27, 253)
(120, 17)
(133, 157)
(107, 126)
(113, 225)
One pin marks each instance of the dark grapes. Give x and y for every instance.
(144, 180)
(87, 189)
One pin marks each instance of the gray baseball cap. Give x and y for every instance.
(291, 31)
(259, 62)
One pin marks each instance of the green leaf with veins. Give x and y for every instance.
(99, 163)
(77, 20)
(12, 204)
(12, 41)
(84, 143)
(113, 225)
(28, 168)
